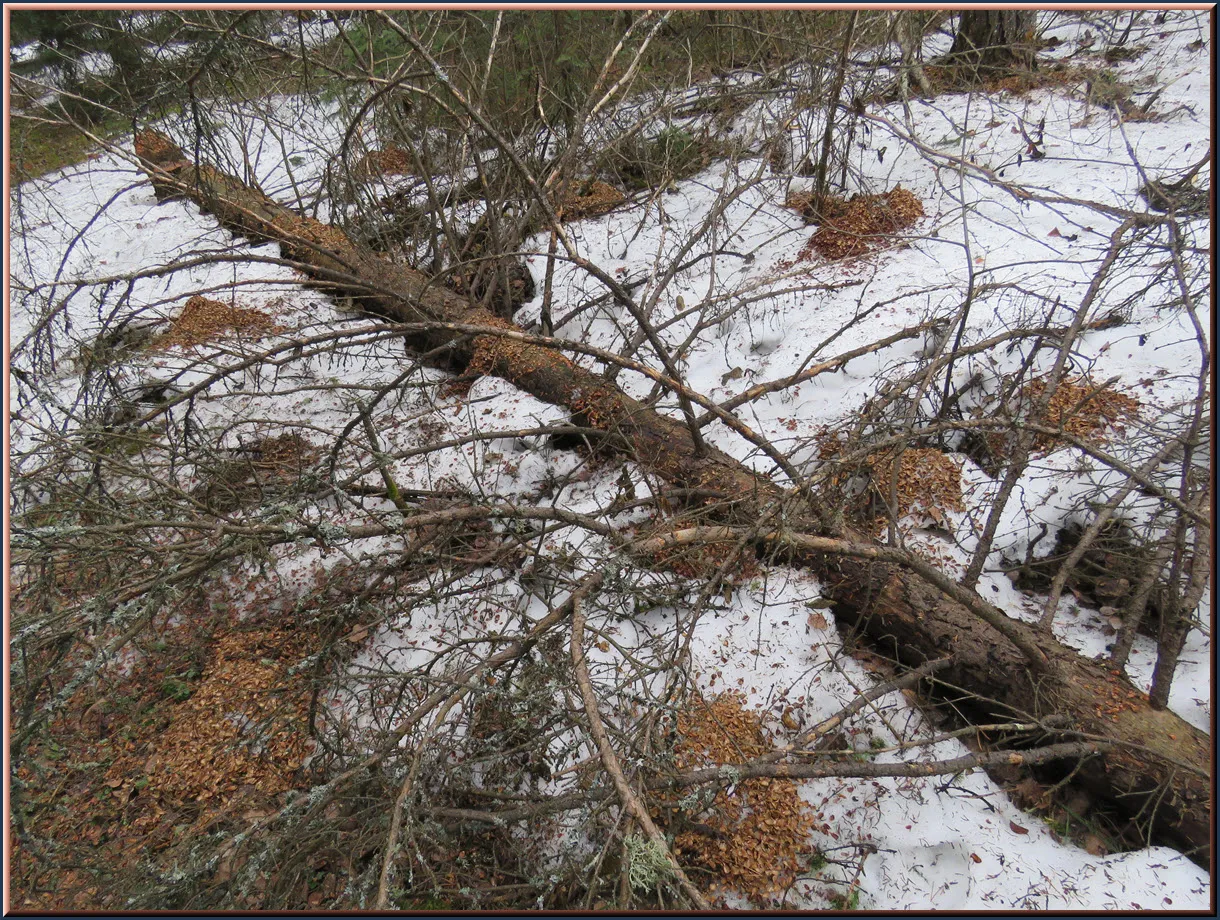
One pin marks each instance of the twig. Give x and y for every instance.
(611, 763)
(391, 842)
(391, 487)
(926, 669)
(1010, 629)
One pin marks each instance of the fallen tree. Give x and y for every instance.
(1156, 769)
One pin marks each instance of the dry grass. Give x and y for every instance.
(287, 454)
(1099, 85)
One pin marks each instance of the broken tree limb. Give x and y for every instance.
(408, 296)
(914, 623)
(1007, 669)
(808, 543)
(823, 767)
(629, 799)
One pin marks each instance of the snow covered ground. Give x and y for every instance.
(939, 844)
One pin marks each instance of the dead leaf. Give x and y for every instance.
(1055, 232)
(976, 858)
(1017, 828)
(817, 621)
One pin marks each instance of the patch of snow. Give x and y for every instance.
(745, 315)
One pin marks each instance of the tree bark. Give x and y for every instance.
(995, 39)
(1160, 771)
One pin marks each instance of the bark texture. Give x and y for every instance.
(1158, 775)
(995, 39)
(1160, 771)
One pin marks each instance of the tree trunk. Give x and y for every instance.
(1160, 766)
(995, 39)
(914, 623)
(119, 38)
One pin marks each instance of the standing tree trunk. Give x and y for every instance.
(995, 39)
(832, 107)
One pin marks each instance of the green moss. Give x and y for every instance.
(38, 146)
(176, 690)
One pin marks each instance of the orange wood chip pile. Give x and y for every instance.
(599, 198)
(285, 453)
(927, 479)
(203, 320)
(1080, 408)
(862, 223)
(390, 161)
(156, 148)
(753, 834)
(814, 207)
(239, 735)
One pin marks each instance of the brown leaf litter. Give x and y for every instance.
(928, 480)
(1079, 407)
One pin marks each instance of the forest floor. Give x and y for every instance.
(205, 719)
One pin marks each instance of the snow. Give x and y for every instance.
(294, 32)
(938, 844)
(19, 54)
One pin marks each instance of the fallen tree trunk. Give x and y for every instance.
(1158, 775)
(1158, 771)
(407, 296)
